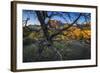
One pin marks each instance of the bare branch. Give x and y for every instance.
(65, 29)
(32, 30)
(59, 15)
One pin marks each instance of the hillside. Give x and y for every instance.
(72, 44)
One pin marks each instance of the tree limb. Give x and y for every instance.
(59, 32)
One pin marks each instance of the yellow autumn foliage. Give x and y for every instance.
(75, 33)
(72, 33)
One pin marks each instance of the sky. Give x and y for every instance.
(65, 19)
(30, 14)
